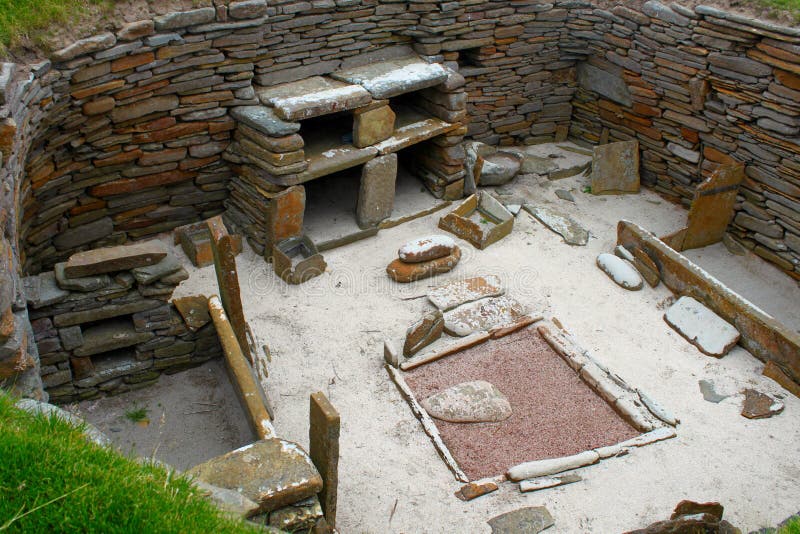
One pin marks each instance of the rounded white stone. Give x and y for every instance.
(620, 271)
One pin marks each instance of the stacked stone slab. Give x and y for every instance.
(142, 122)
(104, 324)
(271, 157)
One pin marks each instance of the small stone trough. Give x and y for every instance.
(603, 416)
(479, 219)
(297, 260)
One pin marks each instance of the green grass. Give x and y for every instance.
(792, 527)
(776, 7)
(31, 20)
(53, 480)
(136, 415)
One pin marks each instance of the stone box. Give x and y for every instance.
(297, 260)
(479, 219)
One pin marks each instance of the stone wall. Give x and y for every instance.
(121, 135)
(104, 324)
(697, 87)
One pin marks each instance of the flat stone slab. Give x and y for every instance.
(540, 483)
(110, 335)
(85, 284)
(153, 273)
(458, 292)
(113, 365)
(43, 290)
(757, 405)
(483, 314)
(264, 119)
(530, 520)
(476, 489)
(615, 168)
(313, 97)
(412, 133)
(272, 472)
(111, 259)
(394, 77)
(702, 327)
(423, 332)
(469, 402)
(621, 272)
(334, 160)
(426, 248)
(572, 232)
(531, 163)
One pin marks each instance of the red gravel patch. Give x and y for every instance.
(555, 412)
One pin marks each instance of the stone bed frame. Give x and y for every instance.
(633, 405)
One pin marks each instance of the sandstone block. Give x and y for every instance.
(272, 473)
(376, 194)
(615, 168)
(373, 126)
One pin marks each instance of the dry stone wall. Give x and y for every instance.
(697, 88)
(104, 324)
(122, 135)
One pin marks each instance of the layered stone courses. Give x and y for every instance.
(91, 139)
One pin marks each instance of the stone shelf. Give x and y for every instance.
(412, 127)
(334, 160)
(313, 97)
(395, 77)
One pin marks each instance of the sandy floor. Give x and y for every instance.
(192, 416)
(327, 335)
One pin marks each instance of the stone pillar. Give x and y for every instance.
(285, 215)
(323, 436)
(376, 195)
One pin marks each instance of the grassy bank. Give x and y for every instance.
(53, 480)
(30, 21)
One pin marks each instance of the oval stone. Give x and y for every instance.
(469, 402)
(619, 271)
(426, 248)
(403, 272)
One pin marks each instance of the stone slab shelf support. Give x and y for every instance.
(376, 193)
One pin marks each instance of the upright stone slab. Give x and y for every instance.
(606, 81)
(228, 280)
(372, 125)
(376, 195)
(323, 435)
(285, 215)
(711, 210)
(615, 168)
